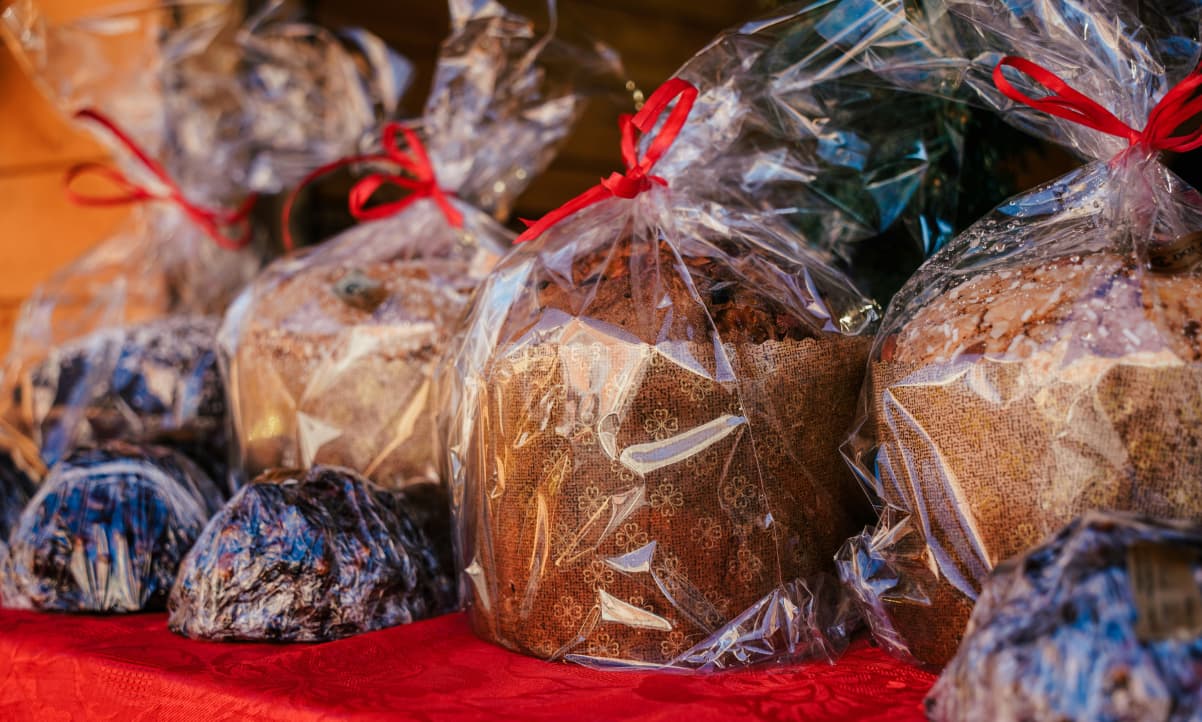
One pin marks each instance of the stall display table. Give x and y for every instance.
(63, 667)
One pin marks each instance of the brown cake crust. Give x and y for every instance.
(334, 366)
(1124, 308)
(578, 552)
(1021, 399)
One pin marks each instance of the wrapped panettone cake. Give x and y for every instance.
(309, 557)
(153, 381)
(645, 422)
(1102, 622)
(107, 529)
(1045, 364)
(663, 486)
(20, 471)
(198, 106)
(331, 353)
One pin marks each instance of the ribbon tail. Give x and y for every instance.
(313, 175)
(592, 196)
(449, 211)
(130, 192)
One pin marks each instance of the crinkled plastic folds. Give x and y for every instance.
(20, 471)
(1046, 362)
(313, 556)
(107, 529)
(798, 128)
(646, 406)
(1102, 622)
(120, 343)
(331, 353)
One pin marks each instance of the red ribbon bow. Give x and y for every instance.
(1162, 132)
(637, 178)
(213, 221)
(419, 181)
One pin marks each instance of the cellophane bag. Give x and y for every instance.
(873, 193)
(1101, 622)
(330, 353)
(20, 471)
(648, 400)
(201, 110)
(1046, 362)
(644, 452)
(318, 555)
(107, 529)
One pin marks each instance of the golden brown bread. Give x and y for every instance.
(633, 494)
(334, 367)
(1020, 399)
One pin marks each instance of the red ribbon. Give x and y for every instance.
(214, 221)
(637, 178)
(419, 181)
(1164, 130)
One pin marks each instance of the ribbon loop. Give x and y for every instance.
(637, 178)
(1166, 122)
(214, 221)
(419, 181)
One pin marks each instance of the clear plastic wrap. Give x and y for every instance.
(201, 111)
(873, 192)
(107, 530)
(20, 471)
(645, 408)
(313, 556)
(331, 352)
(1103, 622)
(1046, 362)
(647, 402)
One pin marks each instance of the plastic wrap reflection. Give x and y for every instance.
(1115, 599)
(121, 343)
(1046, 362)
(331, 353)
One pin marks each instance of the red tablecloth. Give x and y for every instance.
(59, 667)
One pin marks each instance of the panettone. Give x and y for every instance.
(1101, 622)
(107, 530)
(654, 452)
(334, 361)
(153, 382)
(1017, 400)
(313, 556)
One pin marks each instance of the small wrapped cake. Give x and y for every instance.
(1104, 622)
(107, 530)
(153, 382)
(1010, 404)
(635, 500)
(20, 470)
(332, 353)
(334, 364)
(309, 557)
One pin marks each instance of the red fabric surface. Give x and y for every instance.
(59, 667)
